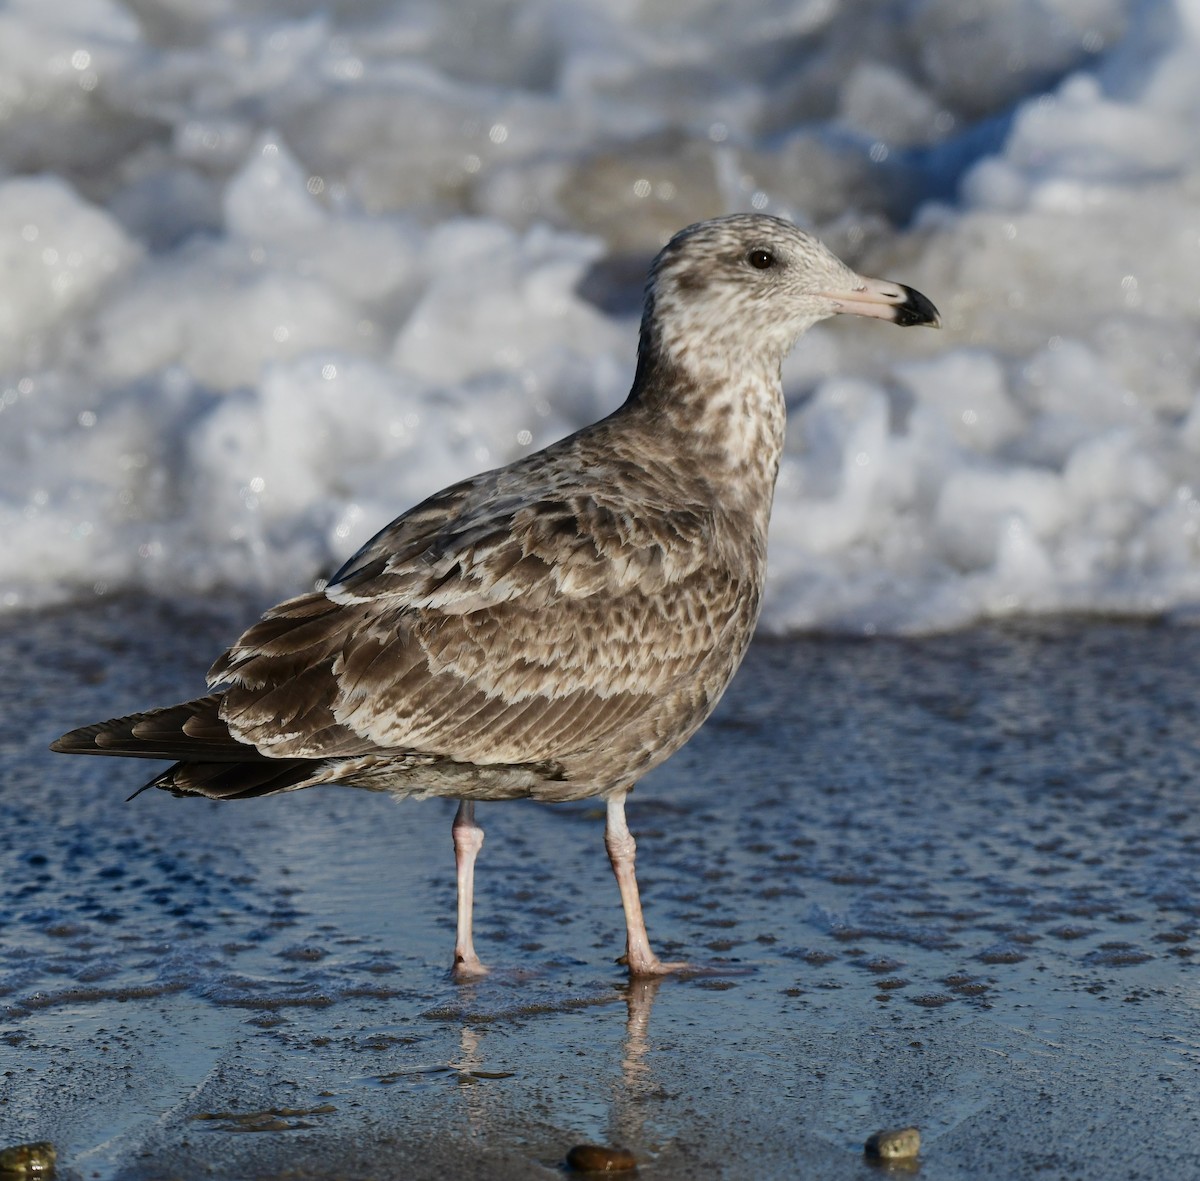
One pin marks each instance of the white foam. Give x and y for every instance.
(271, 279)
(57, 254)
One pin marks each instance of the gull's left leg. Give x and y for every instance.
(619, 842)
(468, 840)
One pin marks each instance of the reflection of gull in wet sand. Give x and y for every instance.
(555, 628)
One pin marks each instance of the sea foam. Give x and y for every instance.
(274, 274)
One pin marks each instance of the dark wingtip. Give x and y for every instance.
(76, 742)
(916, 309)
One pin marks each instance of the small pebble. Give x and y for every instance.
(596, 1158)
(28, 1160)
(893, 1144)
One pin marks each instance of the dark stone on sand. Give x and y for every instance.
(28, 1160)
(893, 1144)
(597, 1158)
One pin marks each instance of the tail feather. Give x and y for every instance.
(237, 781)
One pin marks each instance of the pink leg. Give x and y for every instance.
(468, 840)
(619, 842)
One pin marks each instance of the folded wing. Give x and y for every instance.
(485, 629)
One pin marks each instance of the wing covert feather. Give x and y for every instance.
(513, 632)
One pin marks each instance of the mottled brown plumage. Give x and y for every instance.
(555, 628)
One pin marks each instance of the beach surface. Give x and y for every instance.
(948, 882)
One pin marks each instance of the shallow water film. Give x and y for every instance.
(948, 883)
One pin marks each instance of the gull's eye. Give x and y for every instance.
(761, 260)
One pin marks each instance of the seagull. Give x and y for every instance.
(556, 628)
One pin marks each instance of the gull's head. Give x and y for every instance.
(743, 288)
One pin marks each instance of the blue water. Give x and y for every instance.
(949, 882)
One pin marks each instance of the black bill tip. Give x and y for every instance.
(916, 309)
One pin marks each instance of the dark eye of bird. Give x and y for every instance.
(761, 260)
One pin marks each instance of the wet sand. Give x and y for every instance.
(950, 882)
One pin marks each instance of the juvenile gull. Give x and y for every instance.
(555, 628)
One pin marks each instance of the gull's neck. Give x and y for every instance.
(721, 404)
